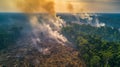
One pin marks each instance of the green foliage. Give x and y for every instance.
(8, 36)
(107, 33)
(95, 61)
(99, 47)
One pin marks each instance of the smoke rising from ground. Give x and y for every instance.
(48, 28)
(92, 19)
(44, 27)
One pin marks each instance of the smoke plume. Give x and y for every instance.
(33, 6)
(44, 27)
(70, 7)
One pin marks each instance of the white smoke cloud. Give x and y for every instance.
(90, 20)
(119, 29)
(44, 27)
(42, 30)
(49, 27)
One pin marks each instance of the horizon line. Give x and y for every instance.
(59, 12)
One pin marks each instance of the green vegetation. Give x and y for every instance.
(97, 46)
(8, 35)
(106, 33)
(59, 56)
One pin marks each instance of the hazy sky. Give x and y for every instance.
(77, 5)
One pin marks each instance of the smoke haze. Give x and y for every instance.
(32, 6)
(44, 27)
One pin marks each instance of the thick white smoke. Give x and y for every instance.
(44, 27)
(48, 28)
(90, 20)
(41, 32)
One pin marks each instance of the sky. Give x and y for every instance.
(94, 6)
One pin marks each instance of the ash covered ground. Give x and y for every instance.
(40, 43)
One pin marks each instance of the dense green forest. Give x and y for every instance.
(98, 47)
(8, 35)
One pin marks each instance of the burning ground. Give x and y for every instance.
(41, 44)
